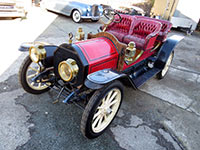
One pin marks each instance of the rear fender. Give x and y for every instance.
(50, 49)
(166, 49)
(100, 78)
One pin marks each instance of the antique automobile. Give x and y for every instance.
(77, 10)
(90, 73)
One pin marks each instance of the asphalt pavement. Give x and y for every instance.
(161, 115)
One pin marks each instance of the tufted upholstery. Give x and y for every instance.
(143, 32)
(121, 29)
(166, 26)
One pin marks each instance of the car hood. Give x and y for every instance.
(81, 3)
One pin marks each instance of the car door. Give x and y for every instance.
(63, 6)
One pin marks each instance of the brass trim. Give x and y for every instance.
(138, 56)
(156, 47)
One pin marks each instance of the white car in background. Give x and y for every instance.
(12, 9)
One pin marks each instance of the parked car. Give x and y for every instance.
(12, 9)
(77, 10)
(129, 51)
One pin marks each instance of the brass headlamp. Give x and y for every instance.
(37, 53)
(68, 69)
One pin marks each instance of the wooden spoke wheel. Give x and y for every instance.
(101, 109)
(163, 73)
(27, 72)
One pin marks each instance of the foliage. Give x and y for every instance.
(146, 6)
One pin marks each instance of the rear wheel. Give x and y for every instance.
(27, 72)
(101, 110)
(163, 73)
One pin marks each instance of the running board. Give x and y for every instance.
(144, 77)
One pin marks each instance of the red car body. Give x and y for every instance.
(100, 53)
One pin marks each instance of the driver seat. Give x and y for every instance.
(119, 30)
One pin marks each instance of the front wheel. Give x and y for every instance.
(27, 72)
(101, 109)
(163, 72)
(76, 16)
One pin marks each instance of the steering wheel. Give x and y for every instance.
(111, 14)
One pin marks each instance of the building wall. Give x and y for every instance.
(164, 8)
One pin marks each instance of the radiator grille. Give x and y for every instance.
(95, 10)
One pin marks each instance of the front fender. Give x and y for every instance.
(166, 50)
(99, 78)
(24, 47)
(81, 7)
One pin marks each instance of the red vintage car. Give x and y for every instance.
(130, 50)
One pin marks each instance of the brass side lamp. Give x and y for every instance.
(80, 35)
(131, 53)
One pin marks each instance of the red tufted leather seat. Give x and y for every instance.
(119, 30)
(166, 26)
(143, 32)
